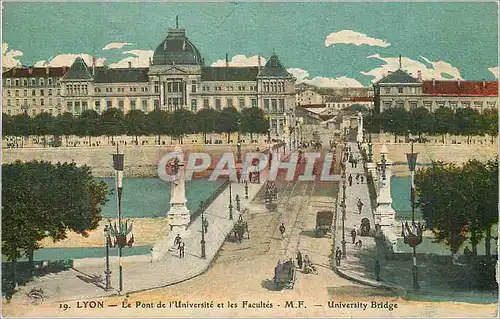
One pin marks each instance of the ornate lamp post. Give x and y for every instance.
(246, 189)
(203, 251)
(413, 235)
(343, 205)
(118, 165)
(107, 272)
(230, 201)
(370, 147)
(238, 208)
(238, 145)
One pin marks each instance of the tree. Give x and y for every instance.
(135, 122)
(158, 123)
(396, 121)
(7, 125)
(420, 120)
(112, 122)
(467, 121)
(443, 121)
(491, 123)
(227, 121)
(253, 121)
(88, 124)
(66, 125)
(182, 123)
(205, 122)
(44, 124)
(22, 126)
(41, 199)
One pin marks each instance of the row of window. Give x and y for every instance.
(33, 92)
(452, 104)
(274, 105)
(229, 88)
(76, 89)
(401, 90)
(34, 102)
(31, 82)
(273, 86)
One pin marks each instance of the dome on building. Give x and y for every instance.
(176, 49)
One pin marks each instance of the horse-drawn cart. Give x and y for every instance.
(284, 275)
(239, 229)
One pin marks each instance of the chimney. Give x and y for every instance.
(260, 64)
(458, 82)
(433, 82)
(150, 61)
(129, 65)
(484, 84)
(47, 70)
(419, 76)
(30, 70)
(93, 66)
(227, 60)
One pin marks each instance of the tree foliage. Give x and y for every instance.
(41, 199)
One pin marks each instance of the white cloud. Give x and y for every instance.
(241, 60)
(320, 81)
(10, 57)
(438, 69)
(140, 58)
(494, 71)
(67, 59)
(353, 37)
(115, 45)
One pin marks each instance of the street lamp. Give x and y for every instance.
(370, 147)
(343, 205)
(203, 251)
(230, 201)
(238, 208)
(107, 272)
(246, 189)
(118, 165)
(238, 145)
(413, 236)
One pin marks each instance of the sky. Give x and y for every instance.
(325, 44)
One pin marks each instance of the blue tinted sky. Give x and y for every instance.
(463, 36)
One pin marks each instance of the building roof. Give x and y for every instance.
(177, 49)
(229, 73)
(78, 71)
(397, 77)
(361, 99)
(461, 88)
(35, 72)
(274, 68)
(122, 75)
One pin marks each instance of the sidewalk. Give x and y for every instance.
(357, 260)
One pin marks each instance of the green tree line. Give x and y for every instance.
(113, 122)
(464, 121)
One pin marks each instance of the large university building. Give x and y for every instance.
(399, 89)
(176, 78)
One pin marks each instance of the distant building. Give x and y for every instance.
(176, 78)
(399, 89)
(309, 97)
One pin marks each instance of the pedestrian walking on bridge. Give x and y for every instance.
(350, 179)
(360, 205)
(282, 230)
(353, 235)
(338, 256)
(377, 270)
(181, 249)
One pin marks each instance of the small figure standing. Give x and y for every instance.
(205, 225)
(299, 259)
(361, 178)
(181, 249)
(338, 256)
(282, 230)
(353, 235)
(350, 179)
(151, 254)
(360, 205)
(357, 178)
(377, 270)
(177, 240)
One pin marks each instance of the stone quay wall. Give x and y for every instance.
(140, 161)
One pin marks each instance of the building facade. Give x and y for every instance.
(176, 78)
(399, 89)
